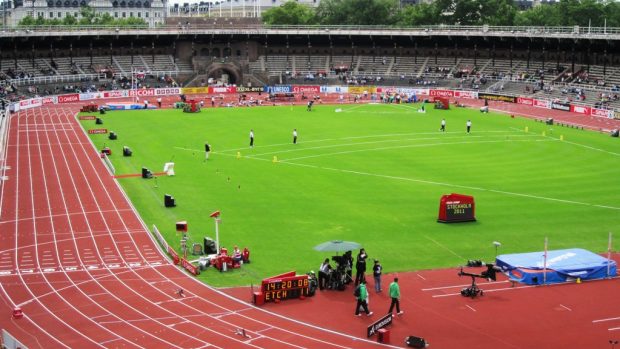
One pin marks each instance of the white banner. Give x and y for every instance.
(334, 89)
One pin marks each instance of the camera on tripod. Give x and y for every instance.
(473, 290)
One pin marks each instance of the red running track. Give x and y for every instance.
(75, 256)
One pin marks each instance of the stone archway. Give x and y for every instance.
(216, 70)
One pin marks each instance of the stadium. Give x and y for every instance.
(110, 199)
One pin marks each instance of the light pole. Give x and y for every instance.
(216, 216)
(496, 244)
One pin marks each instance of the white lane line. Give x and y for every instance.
(421, 277)
(565, 307)
(472, 309)
(459, 286)
(485, 291)
(608, 319)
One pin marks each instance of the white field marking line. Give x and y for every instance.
(333, 139)
(444, 247)
(608, 319)
(420, 276)
(448, 185)
(472, 309)
(408, 146)
(613, 329)
(123, 221)
(465, 285)
(288, 162)
(35, 239)
(592, 148)
(56, 215)
(51, 220)
(485, 291)
(183, 276)
(578, 144)
(565, 307)
(76, 247)
(447, 139)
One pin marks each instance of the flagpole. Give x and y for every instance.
(609, 256)
(545, 264)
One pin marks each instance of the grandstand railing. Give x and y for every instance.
(611, 33)
(52, 79)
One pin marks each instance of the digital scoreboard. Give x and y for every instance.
(284, 286)
(456, 208)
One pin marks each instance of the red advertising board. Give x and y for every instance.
(601, 112)
(222, 89)
(87, 117)
(580, 109)
(115, 94)
(189, 266)
(466, 94)
(96, 131)
(541, 103)
(49, 100)
(307, 89)
(173, 254)
(70, 98)
(525, 100)
(456, 208)
(441, 93)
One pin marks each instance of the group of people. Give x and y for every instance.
(327, 273)
(442, 126)
(208, 146)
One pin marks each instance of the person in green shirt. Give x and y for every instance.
(395, 294)
(361, 299)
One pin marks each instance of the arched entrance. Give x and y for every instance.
(225, 72)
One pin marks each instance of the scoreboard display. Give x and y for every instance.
(456, 208)
(284, 286)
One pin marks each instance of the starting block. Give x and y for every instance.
(18, 313)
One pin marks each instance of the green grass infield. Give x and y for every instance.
(373, 174)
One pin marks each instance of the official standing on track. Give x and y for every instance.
(362, 296)
(376, 273)
(360, 266)
(395, 295)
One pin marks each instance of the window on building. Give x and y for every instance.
(124, 15)
(130, 14)
(146, 14)
(116, 14)
(51, 14)
(59, 14)
(139, 14)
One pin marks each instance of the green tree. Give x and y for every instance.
(358, 12)
(422, 14)
(538, 16)
(291, 12)
(69, 20)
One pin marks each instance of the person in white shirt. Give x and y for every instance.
(443, 125)
(294, 136)
(468, 125)
(251, 138)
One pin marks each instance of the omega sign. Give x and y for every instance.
(72, 98)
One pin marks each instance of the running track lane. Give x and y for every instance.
(81, 264)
